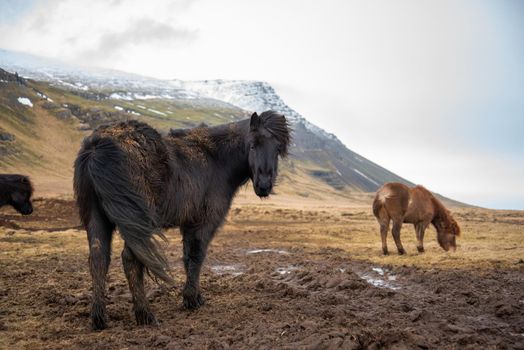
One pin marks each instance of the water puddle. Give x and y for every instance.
(232, 270)
(258, 251)
(378, 270)
(286, 270)
(378, 277)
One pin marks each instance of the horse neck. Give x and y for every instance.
(231, 142)
(441, 214)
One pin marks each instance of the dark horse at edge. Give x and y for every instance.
(16, 191)
(128, 176)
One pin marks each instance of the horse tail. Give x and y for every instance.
(101, 171)
(376, 207)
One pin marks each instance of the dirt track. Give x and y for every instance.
(270, 282)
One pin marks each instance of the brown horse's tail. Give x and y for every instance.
(377, 205)
(101, 170)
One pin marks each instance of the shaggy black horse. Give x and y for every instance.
(129, 176)
(16, 190)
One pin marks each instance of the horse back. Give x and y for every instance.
(391, 199)
(420, 206)
(147, 158)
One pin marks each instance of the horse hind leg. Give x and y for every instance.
(384, 228)
(395, 231)
(383, 219)
(99, 235)
(134, 271)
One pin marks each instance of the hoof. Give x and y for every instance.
(385, 252)
(98, 318)
(193, 300)
(145, 318)
(420, 249)
(401, 252)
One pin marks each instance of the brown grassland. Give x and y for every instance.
(286, 272)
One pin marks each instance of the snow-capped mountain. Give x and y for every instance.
(321, 154)
(249, 95)
(123, 85)
(340, 167)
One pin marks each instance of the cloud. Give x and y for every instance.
(95, 32)
(145, 31)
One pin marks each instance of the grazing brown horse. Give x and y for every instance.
(398, 203)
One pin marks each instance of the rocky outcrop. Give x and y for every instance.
(6, 143)
(10, 77)
(5, 136)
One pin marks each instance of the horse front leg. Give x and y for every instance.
(195, 240)
(420, 228)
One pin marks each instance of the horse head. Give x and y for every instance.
(447, 231)
(20, 194)
(269, 138)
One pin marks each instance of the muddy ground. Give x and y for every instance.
(274, 278)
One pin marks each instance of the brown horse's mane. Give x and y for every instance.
(443, 219)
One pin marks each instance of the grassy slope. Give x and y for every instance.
(46, 145)
(43, 146)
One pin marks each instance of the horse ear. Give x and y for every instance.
(255, 122)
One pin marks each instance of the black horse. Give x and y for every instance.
(16, 190)
(129, 176)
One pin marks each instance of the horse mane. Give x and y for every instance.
(443, 217)
(15, 182)
(277, 125)
(231, 134)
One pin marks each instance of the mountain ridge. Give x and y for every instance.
(99, 98)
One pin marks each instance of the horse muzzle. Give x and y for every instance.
(263, 191)
(26, 210)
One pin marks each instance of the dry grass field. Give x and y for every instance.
(282, 273)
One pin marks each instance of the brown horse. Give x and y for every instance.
(398, 203)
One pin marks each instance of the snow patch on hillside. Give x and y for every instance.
(366, 177)
(254, 96)
(25, 101)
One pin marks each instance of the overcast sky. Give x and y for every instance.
(431, 90)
